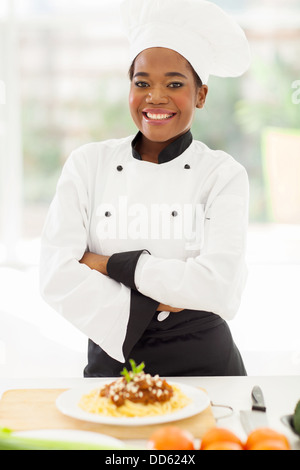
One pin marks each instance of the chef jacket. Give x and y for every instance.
(175, 233)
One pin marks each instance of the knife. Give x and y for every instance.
(257, 416)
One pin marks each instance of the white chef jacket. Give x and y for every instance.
(175, 231)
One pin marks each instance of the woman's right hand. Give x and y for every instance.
(99, 263)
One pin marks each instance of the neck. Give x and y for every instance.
(160, 152)
(150, 150)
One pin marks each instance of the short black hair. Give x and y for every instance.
(198, 80)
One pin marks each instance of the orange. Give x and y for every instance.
(215, 435)
(171, 438)
(223, 445)
(258, 436)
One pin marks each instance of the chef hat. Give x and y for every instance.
(199, 30)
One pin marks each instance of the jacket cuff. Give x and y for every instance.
(142, 310)
(121, 267)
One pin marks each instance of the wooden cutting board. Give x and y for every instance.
(35, 409)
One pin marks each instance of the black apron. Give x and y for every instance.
(187, 343)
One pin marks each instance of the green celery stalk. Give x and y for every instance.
(8, 441)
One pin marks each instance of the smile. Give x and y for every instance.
(158, 116)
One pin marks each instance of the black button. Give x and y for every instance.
(174, 213)
(187, 167)
(120, 168)
(107, 214)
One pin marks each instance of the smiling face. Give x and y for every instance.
(164, 95)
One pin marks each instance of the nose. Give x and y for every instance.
(157, 96)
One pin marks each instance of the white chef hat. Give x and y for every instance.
(199, 30)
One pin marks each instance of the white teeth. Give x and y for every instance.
(158, 116)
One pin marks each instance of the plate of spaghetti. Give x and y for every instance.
(136, 398)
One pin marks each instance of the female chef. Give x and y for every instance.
(143, 249)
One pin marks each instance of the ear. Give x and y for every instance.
(201, 96)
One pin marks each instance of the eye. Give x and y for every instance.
(141, 84)
(175, 85)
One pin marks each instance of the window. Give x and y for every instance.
(63, 83)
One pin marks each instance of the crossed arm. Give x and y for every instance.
(99, 263)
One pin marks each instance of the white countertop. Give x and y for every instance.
(281, 395)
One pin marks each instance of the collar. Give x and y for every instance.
(173, 150)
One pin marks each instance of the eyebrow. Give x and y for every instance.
(168, 74)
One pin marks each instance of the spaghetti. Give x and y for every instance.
(143, 396)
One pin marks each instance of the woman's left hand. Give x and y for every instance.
(94, 261)
(99, 263)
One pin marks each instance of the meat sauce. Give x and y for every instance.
(142, 388)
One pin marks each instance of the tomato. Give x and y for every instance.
(219, 435)
(223, 445)
(259, 436)
(171, 438)
(269, 444)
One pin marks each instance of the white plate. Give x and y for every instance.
(68, 401)
(70, 435)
